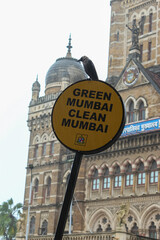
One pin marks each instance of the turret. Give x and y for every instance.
(35, 90)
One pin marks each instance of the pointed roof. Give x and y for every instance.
(69, 48)
(152, 77)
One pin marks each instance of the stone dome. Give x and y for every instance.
(64, 72)
(65, 69)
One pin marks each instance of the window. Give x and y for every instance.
(141, 52)
(44, 149)
(99, 229)
(134, 229)
(149, 50)
(129, 176)
(52, 148)
(141, 174)
(152, 231)
(134, 21)
(117, 178)
(36, 151)
(32, 225)
(131, 114)
(108, 229)
(117, 36)
(44, 227)
(150, 22)
(154, 172)
(142, 25)
(141, 111)
(106, 180)
(36, 185)
(48, 187)
(95, 181)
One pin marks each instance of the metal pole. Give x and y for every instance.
(70, 218)
(68, 196)
(29, 203)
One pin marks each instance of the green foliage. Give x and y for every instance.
(8, 218)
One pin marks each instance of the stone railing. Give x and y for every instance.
(90, 236)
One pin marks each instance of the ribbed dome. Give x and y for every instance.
(65, 69)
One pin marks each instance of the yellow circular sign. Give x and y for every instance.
(88, 116)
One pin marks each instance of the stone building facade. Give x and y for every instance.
(126, 174)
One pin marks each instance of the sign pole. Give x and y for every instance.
(68, 196)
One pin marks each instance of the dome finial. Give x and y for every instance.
(69, 47)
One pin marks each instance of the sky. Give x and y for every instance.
(34, 33)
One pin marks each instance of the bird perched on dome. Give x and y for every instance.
(89, 67)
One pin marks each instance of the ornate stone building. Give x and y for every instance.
(126, 174)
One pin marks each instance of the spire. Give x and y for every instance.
(37, 78)
(69, 47)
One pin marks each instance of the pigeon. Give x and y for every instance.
(89, 67)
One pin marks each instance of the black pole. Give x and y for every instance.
(68, 196)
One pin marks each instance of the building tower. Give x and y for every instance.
(145, 15)
(51, 161)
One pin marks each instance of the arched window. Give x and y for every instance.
(129, 175)
(141, 111)
(108, 229)
(134, 229)
(95, 181)
(106, 179)
(131, 114)
(154, 172)
(152, 231)
(32, 225)
(150, 21)
(142, 24)
(48, 187)
(141, 174)
(134, 21)
(117, 178)
(44, 227)
(99, 229)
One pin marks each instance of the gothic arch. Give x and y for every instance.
(46, 177)
(68, 172)
(128, 100)
(148, 216)
(36, 139)
(143, 13)
(92, 169)
(135, 218)
(134, 16)
(138, 160)
(96, 217)
(114, 165)
(150, 159)
(151, 9)
(52, 137)
(102, 168)
(139, 100)
(44, 137)
(125, 162)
